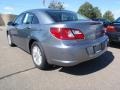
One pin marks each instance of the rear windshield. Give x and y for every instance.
(118, 20)
(59, 16)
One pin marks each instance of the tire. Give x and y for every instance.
(10, 40)
(111, 42)
(38, 57)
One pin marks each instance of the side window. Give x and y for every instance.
(19, 19)
(30, 19)
(35, 20)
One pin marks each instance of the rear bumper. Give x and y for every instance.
(63, 55)
(114, 36)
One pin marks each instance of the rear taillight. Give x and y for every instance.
(110, 29)
(67, 33)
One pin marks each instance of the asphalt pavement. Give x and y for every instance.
(17, 71)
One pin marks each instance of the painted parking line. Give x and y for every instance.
(12, 74)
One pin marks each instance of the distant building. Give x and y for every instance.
(5, 18)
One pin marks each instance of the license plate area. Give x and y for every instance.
(96, 49)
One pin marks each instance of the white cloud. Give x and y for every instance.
(7, 12)
(8, 8)
(66, 5)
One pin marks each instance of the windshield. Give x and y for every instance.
(61, 16)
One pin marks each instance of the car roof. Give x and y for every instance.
(99, 19)
(45, 10)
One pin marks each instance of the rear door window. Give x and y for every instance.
(35, 20)
(30, 19)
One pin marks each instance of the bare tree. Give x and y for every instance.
(44, 1)
(55, 4)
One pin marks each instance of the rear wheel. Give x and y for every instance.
(10, 40)
(38, 57)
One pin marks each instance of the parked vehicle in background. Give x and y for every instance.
(104, 21)
(57, 37)
(113, 31)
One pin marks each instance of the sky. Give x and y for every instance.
(18, 6)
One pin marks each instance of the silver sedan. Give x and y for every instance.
(57, 37)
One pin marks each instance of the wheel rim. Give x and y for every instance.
(9, 39)
(36, 53)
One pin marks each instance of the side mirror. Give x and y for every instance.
(10, 23)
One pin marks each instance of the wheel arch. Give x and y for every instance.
(7, 32)
(31, 42)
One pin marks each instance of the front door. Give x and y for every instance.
(24, 30)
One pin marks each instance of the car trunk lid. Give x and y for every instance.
(91, 29)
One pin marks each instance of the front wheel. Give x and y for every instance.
(38, 57)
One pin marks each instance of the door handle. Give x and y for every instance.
(29, 27)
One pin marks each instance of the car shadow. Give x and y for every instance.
(90, 66)
(115, 45)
